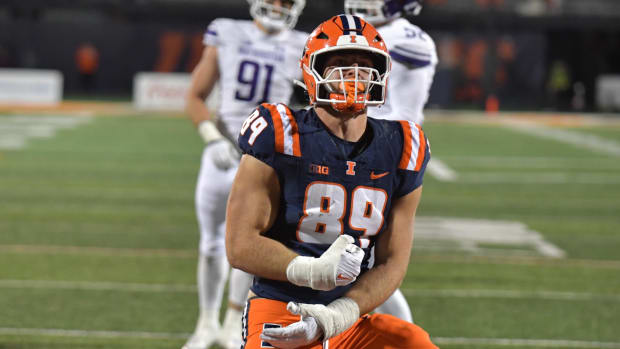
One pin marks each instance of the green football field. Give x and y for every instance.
(517, 242)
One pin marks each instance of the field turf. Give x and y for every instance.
(98, 235)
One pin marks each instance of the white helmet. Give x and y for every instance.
(276, 18)
(380, 11)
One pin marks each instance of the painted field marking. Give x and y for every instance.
(577, 139)
(441, 171)
(509, 294)
(514, 342)
(98, 286)
(87, 333)
(538, 162)
(474, 236)
(16, 130)
(539, 178)
(511, 342)
(101, 251)
(191, 253)
(411, 292)
(478, 235)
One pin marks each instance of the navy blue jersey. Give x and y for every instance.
(329, 186)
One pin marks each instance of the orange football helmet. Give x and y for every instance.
(341, 35)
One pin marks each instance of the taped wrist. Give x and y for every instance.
(299, 271)
(209, 132)
(344, 313)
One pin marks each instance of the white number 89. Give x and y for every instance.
(325, 205)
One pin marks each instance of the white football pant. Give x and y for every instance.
(212, 192)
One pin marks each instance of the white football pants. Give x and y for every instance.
(212, 192)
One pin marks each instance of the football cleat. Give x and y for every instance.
(230, 337)
(201, 339)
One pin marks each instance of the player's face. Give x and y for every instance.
(279, 4)
(351, 60)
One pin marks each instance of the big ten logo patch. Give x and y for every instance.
(318, 169)
(178, 51)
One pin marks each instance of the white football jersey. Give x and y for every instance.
(254, 67)
(414, 58)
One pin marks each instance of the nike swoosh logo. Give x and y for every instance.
(342, 277)
(377, 176)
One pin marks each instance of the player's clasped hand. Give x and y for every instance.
(298, 334)
(317, 321)
(224, 154)
(339, 265)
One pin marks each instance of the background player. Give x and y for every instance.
(316, 190)
(414, 59)
(254, 62)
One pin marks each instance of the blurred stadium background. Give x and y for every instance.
(518, 241)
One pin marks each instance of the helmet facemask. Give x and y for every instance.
(276, 18)
(350, 88)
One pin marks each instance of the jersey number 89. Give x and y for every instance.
(325, 206)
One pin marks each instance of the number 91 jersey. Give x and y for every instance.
(329, 186)
(254, 67)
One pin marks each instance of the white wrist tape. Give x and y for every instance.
(339, 265)
(299, 271)
(345, 313)
(209, 132)
(333, 319)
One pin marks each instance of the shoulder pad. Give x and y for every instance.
(271, 127)
(213, 35)
(415, 48)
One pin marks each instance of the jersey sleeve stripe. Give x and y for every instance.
(291, 131)
(277, 125)
(421, 149)
(406, 156)
(414, 146)
(409, 60)
(411, 52)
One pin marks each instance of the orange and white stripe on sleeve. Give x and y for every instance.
(414, 146)
(285, 129)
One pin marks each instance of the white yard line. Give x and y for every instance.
(578, 139)
(190, 253)
(441, 171)
(97, 286)
(100, 251)
(510, 294)
(538, 162)
(17, 130)
(412, 292)
(86, 333)
(515, 342)
(510, 342)
(539, 178)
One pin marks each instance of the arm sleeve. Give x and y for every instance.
(257, 136)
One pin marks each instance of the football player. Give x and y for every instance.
(315, 191)
(414, 59)
(254, 62)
